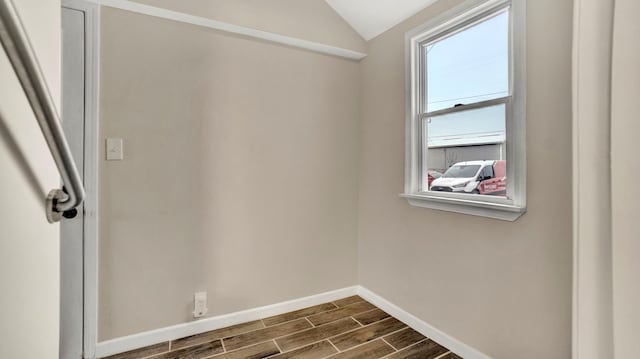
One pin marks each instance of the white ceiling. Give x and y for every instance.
(371, 18)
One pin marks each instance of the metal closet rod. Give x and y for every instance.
(60, 202)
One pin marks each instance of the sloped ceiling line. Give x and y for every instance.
(371, 18)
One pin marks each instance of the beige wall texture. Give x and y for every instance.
(29, 245)
(503, 288)
(239, 175)
(625, 172)
(312, 20)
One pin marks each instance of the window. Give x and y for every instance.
(465, 116)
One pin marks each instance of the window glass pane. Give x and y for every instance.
(466, 152)
(469, 66)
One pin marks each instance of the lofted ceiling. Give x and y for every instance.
(370, 18)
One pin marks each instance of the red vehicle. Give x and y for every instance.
(493, 179)
(432, 175)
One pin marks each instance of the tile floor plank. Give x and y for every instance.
(142, 353)
(368, 333)
(346, 311)
(451, 356)
(371, 316)
(268, 333)
(286, 317)
(259, 351)
(372, 350)
(314, 351)
(216, 334)
(349, 300)
(404, 338)
(316, 334)
(194, 352)
(427, 349)
(349, 328)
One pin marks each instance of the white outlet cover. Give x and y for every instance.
(114, 149)
(200, 304)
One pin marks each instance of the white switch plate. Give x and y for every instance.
(114, 149)
(200, 304)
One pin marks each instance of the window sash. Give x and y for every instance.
(442, 34)
(466, 107)
(449, 28)
(423, 167)
(423, 153)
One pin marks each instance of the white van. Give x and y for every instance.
(463, 177)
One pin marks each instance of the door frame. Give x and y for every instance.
(89, 311)
(592, 316)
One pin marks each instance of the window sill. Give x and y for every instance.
(504, 212)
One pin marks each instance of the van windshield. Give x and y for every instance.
(461, 171)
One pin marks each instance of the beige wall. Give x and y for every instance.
(503, 288)
(239, 178)
(29, 245)
(312, 20)
(625, 172)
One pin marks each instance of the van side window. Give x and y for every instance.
(487, 172)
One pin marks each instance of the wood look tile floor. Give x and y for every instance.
(349, 328)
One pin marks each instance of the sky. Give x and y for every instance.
(468, 67)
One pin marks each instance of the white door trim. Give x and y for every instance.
(592, 327)
(91, 128)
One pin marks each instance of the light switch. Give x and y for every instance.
(114, 149)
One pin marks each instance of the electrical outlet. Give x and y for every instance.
(200, 304)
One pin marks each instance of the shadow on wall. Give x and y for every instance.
(16, 152)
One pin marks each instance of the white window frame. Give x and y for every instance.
(514, 205)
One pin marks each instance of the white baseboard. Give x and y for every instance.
(424, 328)
(141, 340)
